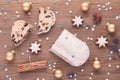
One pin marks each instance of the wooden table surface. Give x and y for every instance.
(63, 19)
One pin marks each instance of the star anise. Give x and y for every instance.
(97, 18)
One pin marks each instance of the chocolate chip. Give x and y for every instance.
(26, 24)
(39, 11)
(21, 35)
(12, 35)
(43, 24)
(48, 16)
(46, 28)
(40, 21)
(45, 11)
(39, 27)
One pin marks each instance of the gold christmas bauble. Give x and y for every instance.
(96, 64)
(111, 28)
(85, 6)
(26, 6)
(10, 56)
(58, 73)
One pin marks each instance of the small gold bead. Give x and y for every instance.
(26, 6)
(10, 56)
(58, 73)
(85, 6)
(111, 28)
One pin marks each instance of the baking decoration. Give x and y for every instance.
(77, 21)
(102, 41)
(35, 47)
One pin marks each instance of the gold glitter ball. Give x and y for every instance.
(96, 64)
(10, 56)
(85, 6)
(26, 6)
(111, 28)
(58, 73)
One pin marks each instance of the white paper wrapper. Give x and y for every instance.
(71, 49)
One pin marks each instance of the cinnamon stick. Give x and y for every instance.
(32, 66)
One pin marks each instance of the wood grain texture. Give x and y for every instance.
(64, 19)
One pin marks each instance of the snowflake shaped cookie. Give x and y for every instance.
(77, 21)
(102, 41)
(35, 47)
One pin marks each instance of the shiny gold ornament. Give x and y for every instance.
(85, 6)
(10, 56)
(111, 28)
(27, 6)
(96, 64)
(58, 73)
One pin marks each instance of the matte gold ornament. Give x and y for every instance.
(27, 6)
(58, 73)
(85, 6)
(96, 64)
(111, 28)
(10, 56)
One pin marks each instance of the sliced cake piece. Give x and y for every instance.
(20, 31)
(46, 20)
